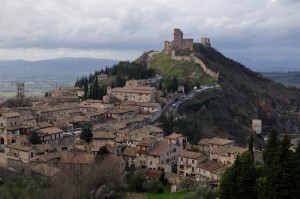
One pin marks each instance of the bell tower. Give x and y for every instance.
(20, 91)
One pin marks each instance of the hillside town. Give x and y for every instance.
(125, 122)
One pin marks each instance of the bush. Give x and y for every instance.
(153, 186)
(136, 181)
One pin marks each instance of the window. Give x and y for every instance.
(193, 161)
(150, 162)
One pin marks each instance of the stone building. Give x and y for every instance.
(256, 126)
(178, 43)
(205, 41)
(20, 91)
(102, 76)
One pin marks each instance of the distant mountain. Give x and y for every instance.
(286, 78)
(51, 69)
(80, 65)
(281, 65)
(46, 75)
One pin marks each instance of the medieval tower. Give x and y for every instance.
(20, 91)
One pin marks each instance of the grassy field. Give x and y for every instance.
(166, 195)
(179, 195)
(182, 70)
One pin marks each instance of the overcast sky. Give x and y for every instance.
(123, 29)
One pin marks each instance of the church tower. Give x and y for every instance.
(20, 91)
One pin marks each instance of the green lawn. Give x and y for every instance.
(166, 195)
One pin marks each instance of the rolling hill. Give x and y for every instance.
(244, 95)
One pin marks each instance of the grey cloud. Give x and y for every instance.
(140, 25)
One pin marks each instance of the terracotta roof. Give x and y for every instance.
(77, 118)
(174, 136)
(130, 151)
(117, 111)
(223, 150)
(11, 114)
(98, 112)
(50, 130)
(21, 126)
(148, 129)
(159, 147)
(103, 135)
(191, 155)
(152, 174)
(145, 142)
(149, 104)
(210, 165)
(77, 158)
(45, 169)
(215, 141)
(220, 170)
(19, 147)
(45, 157)
(129, 89)
(44, 125)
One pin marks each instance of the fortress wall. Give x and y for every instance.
(198, 61)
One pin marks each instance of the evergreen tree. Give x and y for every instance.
(95, 90)
(86, 133)
(271, 168)
(85, 89)
(174, 84)
(34, 138)
(238, 181)
(287, 171)
(250, 146)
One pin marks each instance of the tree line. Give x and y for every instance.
(277, 178)
(121, 72)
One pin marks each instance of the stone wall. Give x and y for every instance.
(192, 57)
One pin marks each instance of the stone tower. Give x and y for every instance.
(177, 36)
(20, 91)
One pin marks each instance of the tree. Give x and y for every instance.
(46, 94)
(187, 184)
(34, 138)
(85, 89)
(162, 178)
(271, 168)
(174, 84)
(238, 181)
(102, 153)
(86, 133)
(136, 181)
(203, 193)
(167, 124)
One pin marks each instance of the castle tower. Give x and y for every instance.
(177, 36)
(205, 41)
(20, 91)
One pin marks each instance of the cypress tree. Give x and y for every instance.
(238, 181)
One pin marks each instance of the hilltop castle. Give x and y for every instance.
(180, 45)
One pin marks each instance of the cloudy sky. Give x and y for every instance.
(123, 29)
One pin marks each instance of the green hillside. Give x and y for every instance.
(184, 71)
